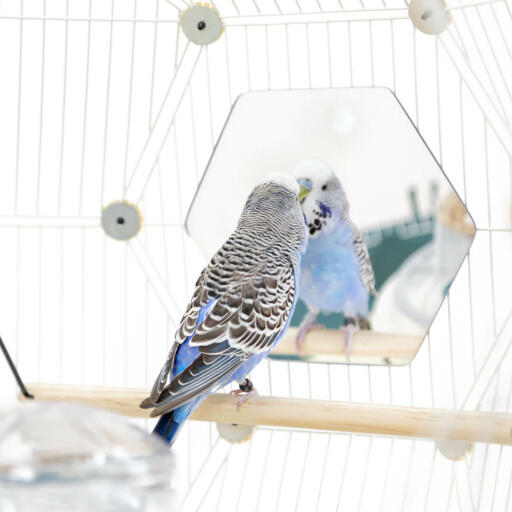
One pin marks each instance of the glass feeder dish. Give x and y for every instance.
(61, 456)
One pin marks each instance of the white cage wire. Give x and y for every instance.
(80, 93)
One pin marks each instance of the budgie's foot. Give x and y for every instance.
(364, 324)
(302, 333)
(350, 329)
(243, 396)
(246, 390)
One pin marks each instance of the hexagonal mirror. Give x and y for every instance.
(387, 231)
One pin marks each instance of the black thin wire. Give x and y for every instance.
(22, 387)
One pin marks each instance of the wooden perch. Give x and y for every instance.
(333, 416)
(369, 347)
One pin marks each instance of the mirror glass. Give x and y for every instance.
(415, 228)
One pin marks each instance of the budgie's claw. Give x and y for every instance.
(364, 324)
(243, 396)
(246, 385)
(350, 329)
(302, 333)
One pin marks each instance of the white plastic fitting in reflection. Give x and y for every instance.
(343, 121)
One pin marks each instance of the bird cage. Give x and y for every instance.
(114, 119)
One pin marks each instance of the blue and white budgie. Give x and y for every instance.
(241, 306)
(336, 271)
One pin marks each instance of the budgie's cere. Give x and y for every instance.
(336, 272)
(242, 305)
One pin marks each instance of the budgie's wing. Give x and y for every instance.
(186, 328)
(245, 320)
(213, 281)
(365, 264)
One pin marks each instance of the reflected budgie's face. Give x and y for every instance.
(321, 196)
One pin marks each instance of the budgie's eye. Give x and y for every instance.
(324, 187)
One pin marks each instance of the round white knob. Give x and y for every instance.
(453, 450)
(121, 220)
(428, 16)
(235, 433)
(201, 24)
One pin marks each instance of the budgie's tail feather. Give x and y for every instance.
(167, 427)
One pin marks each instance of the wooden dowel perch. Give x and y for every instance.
(369, 347)
(415, 422)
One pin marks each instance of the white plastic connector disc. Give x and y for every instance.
(452, 449)
(121, 220)
(428, 16)
(235, 433)
(202, 24)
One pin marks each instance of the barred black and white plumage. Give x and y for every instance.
(242, 300)
(363, 258)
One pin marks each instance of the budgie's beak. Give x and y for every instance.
(305, 187)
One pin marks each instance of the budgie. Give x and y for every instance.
(336, 271)
(241, 306)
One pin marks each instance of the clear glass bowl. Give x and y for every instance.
(61, 456)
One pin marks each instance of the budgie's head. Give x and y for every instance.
(273, 206)
(321, 195)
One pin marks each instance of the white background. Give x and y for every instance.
(80, 86)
